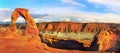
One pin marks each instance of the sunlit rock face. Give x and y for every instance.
(80, 32)
(106, 39)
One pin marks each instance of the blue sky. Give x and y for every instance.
(64, 10)
(12, 4)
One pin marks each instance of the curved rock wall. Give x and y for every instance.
(81, 32)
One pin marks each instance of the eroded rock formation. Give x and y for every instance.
(30, 26)
(106, 39)
(81, 32)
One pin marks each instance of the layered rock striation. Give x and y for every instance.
(81, 32)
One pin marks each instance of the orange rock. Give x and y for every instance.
(61, 27)
(49, 27)
(91, 27)
(106, 39)
(41, 26)
(31, 27)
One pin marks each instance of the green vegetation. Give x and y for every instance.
(70, 35)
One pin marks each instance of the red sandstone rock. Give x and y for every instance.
(106, 39)
(91, 28)
(100, 28)
(41, 26)
(73, 27)
(61, 27)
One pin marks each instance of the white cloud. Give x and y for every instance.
(113, 5)
(73, 2)
(5, 9)
(5, 14)
(106, 2)
(67, 14)
(98, 17)
(78, 16)
(52, 10)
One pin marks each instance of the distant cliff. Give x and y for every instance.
(81, 32)
(72, 27)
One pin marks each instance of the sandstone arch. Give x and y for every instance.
(31, 27)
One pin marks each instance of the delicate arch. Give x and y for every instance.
(31, 27)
